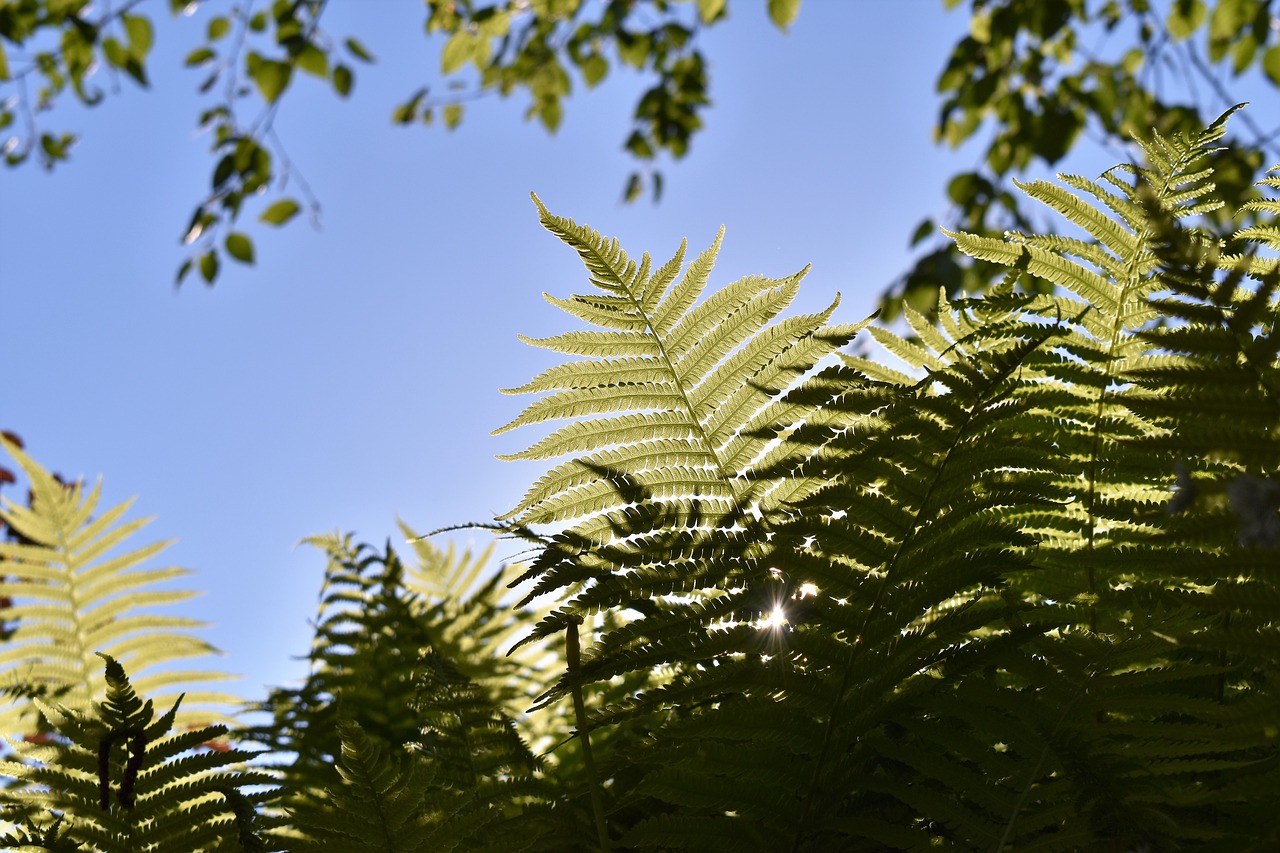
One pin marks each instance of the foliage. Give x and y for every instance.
(377, 620)
(251, 58)
(119, 779)
(72, 597)
(1012, 586)
(1033, 80)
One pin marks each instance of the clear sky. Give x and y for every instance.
(352, 375)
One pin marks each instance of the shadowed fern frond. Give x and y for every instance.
(120, 779)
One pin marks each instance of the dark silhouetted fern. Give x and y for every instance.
(377, 617)
(120, 779)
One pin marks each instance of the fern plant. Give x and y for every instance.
(73, 595)
(1009, 586)
(377, 615)
(120, 779)
(962, 619)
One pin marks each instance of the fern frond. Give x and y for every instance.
(672, 391)
(378, 807)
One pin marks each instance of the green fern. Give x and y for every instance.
(672, 392)
(73, 596)
(1010, 585)
(676, 412)
(468, 783)
(121, 779)
(377, 614)
(378, 807)
(949, 607)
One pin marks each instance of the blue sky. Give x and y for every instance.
(352, 375)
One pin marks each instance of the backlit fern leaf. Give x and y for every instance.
(883, 581)
(673, 388)
(378, 806)
(467, 783)
(979, 634)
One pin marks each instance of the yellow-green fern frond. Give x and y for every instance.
(75, 593)
(673, 391)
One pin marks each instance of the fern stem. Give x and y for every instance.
(572, 659)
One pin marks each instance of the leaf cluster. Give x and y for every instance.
(1036, 79)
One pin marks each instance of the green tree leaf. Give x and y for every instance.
(313, 60)
(358, 50)
(342, 80)
(460, 48)
(271, 76)
(1185, 17)
(140, 35)
(209, 266)
(199, 56)
(594, 68)
(783, 12)
(218, 27)
(709, 10)
(1271, 64)
(240, 247)
(452, 115)
(280, 212)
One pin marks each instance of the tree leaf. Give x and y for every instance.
(1271, 64)
(783, 12)
(342, 80)
(140, 35)
(594, 67)
(550, 114)
(1185, 17)
(223, 171)
(199, 56)
(4, 64)
(405, 113)
(452, 115)
(457, 51)
(709, 10)
(313, 60)
(240, 247)
(358, 51)
(280, 212)
(209, 266)
(271, 76)
(218, 28)
(117, 56)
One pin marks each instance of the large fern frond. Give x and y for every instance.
(886, 588)
(978, 634)
(672, 391)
